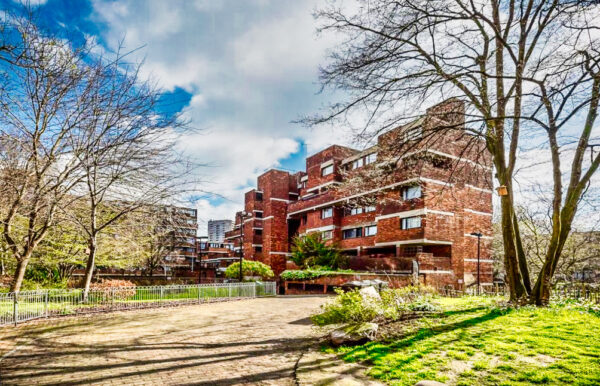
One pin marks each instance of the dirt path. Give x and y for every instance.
(255, 341)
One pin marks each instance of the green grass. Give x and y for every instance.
(474, 344)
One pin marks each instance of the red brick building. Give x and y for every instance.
(416, 220)
(213, 259)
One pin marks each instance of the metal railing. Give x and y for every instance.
(28, 305)
(587, 293)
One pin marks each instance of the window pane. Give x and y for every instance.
(326, 213)
(370, 209)
(352, 233)
(327, 235)
(370, 158)
(414, 133)
(354, 211)
(327, 170)
(411, 192)
(357, 164)
(371, 230)
(411, 222)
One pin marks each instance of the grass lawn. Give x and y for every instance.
(473, 344)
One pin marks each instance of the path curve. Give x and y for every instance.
(255, 341)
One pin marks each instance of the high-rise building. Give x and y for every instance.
(217, 229)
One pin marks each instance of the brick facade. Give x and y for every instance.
(432, 228)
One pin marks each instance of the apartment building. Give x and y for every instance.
(179, 230)
(214, 258)
(217, 229)
(418, 219)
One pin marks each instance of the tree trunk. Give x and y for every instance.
(542, 290)
(514, 278)
(89, 268)
(19, 273)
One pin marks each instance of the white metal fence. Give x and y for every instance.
(22, 306)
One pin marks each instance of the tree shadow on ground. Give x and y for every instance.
(46, 366)
(372, 352)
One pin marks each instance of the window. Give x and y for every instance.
(258, 214)
(258, 196)
(327, 235)
(371, 208)
(371, 230)
(410, 222)
(370, 158)
(413, 133)
(327, 170)
(352, 233)
(258, 232)
(258, 249)
(357, 164)
(354, 211)
(327, 212)
(411, 192)
(303, 220)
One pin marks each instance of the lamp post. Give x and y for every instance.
(242, 214)
(478, 235)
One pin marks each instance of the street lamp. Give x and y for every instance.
(242, 214)
(478, 235)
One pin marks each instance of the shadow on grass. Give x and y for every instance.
(462, 311)
(371, 352)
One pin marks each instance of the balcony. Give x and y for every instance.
(308, 202)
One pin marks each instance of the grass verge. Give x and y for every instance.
(472, 343)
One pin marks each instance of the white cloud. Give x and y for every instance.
(251, 68)
(280, 51)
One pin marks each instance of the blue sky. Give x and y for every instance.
(240, 70)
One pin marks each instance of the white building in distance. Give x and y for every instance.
(217, 229)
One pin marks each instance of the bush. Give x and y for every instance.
(312, 251)
(249, 268)
(347, 307)
(40, 277)
(114, 289)
(309, 274)
(352, 307)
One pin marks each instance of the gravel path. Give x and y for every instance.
(255, 341)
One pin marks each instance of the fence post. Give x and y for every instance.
(161, 294)
(198, 286)
(112, 298)
(254, 290)
(15, 308)
(46, 296)
(229, 290)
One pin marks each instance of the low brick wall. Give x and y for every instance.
(326, 284)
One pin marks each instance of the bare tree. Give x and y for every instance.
(43, 101)
(527, 70)
(581, 249)
(128, 155)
